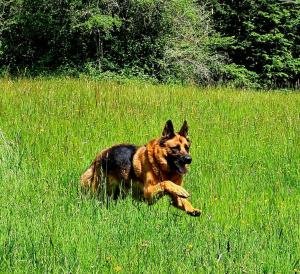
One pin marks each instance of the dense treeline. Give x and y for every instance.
(249, 43)
(262, 39)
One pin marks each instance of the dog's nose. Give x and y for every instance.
(187, 159)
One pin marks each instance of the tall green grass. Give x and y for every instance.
(244, 176)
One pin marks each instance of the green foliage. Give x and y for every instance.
(158, 38)
(188, 48)
(101, 22)
(264, 38)
(239, 76)
(181, 40)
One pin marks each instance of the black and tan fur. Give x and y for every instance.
(149, 171)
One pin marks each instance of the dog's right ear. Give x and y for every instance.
(168, 131)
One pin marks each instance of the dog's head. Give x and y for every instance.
(176, 147)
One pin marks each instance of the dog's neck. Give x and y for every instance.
(158, 161)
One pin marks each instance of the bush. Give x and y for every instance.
(239, 76)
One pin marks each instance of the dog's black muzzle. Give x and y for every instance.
(185, 159)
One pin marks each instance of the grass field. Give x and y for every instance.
(245, 176)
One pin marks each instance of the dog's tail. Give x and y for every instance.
(91, 177)
(86, 178)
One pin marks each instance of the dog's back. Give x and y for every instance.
(114, 163)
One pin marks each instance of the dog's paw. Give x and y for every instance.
(181, 192)
(195, 212)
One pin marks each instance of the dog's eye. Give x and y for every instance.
(187, 148)
(175, 149)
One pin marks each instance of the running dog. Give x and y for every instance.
(148, 171)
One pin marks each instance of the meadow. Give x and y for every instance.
(245, 176)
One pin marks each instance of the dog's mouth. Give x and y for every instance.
(181, 168)
(177, 164)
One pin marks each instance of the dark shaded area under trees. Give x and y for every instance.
(246, 43)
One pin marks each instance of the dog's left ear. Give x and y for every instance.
(184, 129)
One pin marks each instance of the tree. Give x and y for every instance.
(261, 38)
(164, 39)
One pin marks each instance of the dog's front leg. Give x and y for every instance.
(184, 204)
(165, 187)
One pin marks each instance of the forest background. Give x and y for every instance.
(240, 43)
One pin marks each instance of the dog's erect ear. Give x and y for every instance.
(184, 129)
(168, 131)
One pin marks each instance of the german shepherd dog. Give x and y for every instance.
(148, 171)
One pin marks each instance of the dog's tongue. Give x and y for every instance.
(183, 169)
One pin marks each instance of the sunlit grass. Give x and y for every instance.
(244, 176)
